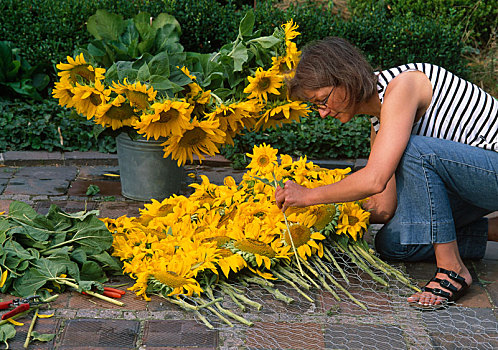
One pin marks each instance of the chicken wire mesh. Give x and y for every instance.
(380, 318)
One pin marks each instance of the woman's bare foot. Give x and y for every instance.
(448, 258)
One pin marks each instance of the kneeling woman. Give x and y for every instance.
(432, 173)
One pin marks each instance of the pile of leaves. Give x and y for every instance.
(40, 254)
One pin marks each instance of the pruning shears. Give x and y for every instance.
(19, 305)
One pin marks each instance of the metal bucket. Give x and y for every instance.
(144, 173)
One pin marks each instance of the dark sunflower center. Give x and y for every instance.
(83, 72)
(255, 247)
(193, 137)
(263, 160)
(95, 99)
(300, 235)
(122, 112)
(352, 220)
(138, 98)
(220, 240)
(171, 279)
(264, 83)
(324, 215)
(166, 116)
(278, 116)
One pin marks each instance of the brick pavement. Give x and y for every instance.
(81, 322)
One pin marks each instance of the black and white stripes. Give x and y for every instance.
(459, 110)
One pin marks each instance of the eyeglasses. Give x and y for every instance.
(322, 104)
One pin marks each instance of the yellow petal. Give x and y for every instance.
(45, 316)
(14, 322)
(3, 278)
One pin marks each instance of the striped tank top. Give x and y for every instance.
(459, 111)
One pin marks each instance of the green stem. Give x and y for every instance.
(369, 258)
(261, 281)
(321, 279)
(297, 279)
(229, 313)
(331, 258)
(237, 293)
(278, 295)
(31, 326)
(89, 292)
(364, 267)
(288, 281)
(345, 291)
(220, 316)
(204, 319)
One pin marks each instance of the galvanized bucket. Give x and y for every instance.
(144, 173)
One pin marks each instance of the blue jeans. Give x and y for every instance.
(444, 189)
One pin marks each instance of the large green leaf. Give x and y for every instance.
(247, 24)
(92, 233)
(159, 65)
(36, 277)
(7, 331)
(91, 271)
(107, 261)
(239, 56)
(146, 30)
(105, 25)
(266, 42)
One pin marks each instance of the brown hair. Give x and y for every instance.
(333, 61)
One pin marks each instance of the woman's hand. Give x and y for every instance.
(291, 195)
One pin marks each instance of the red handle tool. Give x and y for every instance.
(6, 304)
(15, 311)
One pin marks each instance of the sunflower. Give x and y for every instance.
(290, 30)
(116, 114)
(229, 261)
(200, 137)
(322, 215)
(262, 84)
(137, 93)
(64, 93)
(304, 238)
(87, 98)
(78, 71)
(169, 117)
(282, 114)
(264, 158)
(176, 275)
(353, 220)
(229, 121)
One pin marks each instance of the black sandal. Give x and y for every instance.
(455, 292)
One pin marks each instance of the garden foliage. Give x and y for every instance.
(388, 32)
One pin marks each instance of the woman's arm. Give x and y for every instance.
(406, 97)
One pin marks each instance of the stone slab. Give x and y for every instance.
(43, 326)
(365, 337)
(285, 335)
(25, 158)
(116, 209)
(42, 180)
(94, 334)
(178, 333)
(107, 188)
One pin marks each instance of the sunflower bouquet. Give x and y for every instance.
(194, 250)
(195, 103)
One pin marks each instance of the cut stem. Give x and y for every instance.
(331, 258)
(288, 281)
(89, 292)
(31, 327)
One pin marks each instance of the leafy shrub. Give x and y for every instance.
(28, 126)
(475, 20)
(17, 77)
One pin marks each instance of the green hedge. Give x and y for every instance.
(36, 126)
(46, 31)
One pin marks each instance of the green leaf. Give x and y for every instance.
(143, 73)
(91, 271)
(92, 233)
(247, 24)
(22, 211)
(42, 337)
(107, 261)
(92, 190)
(146, 30)
(265, 41)
(105, 25)
(239, 56)
(159, 65)
(7, 331)
(79, 255)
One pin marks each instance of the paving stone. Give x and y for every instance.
(377, 303)
(284, 335)
(463, 341)
(334, 163)
(43, 326)
(90, 158)
(41, 181)
(117, 209)
(491, 251)
(99, 173)
(94, 334)
(178, 333)
(106, 187)
(365, 337)
(461, 320)
(23, 158)
(476, 296)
